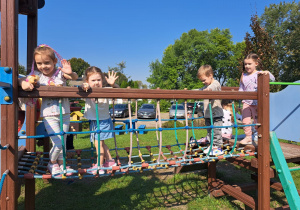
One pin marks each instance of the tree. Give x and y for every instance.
(264, 46)
(22, 70)
(79, 65)
(282, 22)
(181, 61)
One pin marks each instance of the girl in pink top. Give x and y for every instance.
(248, 82)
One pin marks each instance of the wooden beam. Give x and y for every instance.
(9, 57)
(76, 92)
(32, 19)
(28, 7)
(263, 151)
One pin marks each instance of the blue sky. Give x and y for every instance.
(104, 33)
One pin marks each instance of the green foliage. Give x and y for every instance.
(282, 22)
(164, 105)
(171, 124)
(181, 61)
(264, 46)
(79, 65)
(22, 70)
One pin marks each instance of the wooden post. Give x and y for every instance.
(9, 114)
(263, 110)
(31, 111)
(211, 175)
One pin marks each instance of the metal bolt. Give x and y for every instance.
(7, 69)
(259, 135)
(7, 98)
(7, 198)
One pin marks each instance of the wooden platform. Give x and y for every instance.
(290, 151)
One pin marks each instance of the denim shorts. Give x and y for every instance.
(104, 125)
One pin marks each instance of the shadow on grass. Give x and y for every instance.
(149, 190)
(153, 189)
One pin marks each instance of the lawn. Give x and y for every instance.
(158, 189)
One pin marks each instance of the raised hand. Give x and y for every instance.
(112, 77)
(66, 67)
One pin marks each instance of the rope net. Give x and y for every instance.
(139, 157)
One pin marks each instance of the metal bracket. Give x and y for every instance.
(6, 90)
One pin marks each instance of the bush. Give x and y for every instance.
(170, 124)
(85, 124)
(197, 122)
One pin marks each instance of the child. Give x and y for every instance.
(248, 82)
(94, 78)
(228, 118)
(205, 74)
(45, 59)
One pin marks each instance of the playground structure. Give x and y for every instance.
(9, 137)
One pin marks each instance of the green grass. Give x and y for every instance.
(158, 189)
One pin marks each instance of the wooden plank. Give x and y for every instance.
(263, 150)
(9, 57)
(30, 125)
(290, 150)
(28, 7)
(75, 92)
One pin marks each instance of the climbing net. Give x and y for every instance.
(34, 164)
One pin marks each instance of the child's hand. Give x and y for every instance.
(263, 72)
(85, 86)
(112, 77)
(66, 67)
(27, 86)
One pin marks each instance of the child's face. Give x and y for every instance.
(45, 64)
(95, 80)
(206, 80)
(250, 65)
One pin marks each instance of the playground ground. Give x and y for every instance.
(159, 189)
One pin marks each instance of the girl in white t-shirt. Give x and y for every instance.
(44, 66)
(228, 118)
(94, 78)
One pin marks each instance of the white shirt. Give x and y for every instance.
(90, 109)
(50, 106)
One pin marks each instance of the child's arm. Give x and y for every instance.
(112, 77)
(67, 70)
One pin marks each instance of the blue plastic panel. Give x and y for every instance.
(285, 113)
(6, 87)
